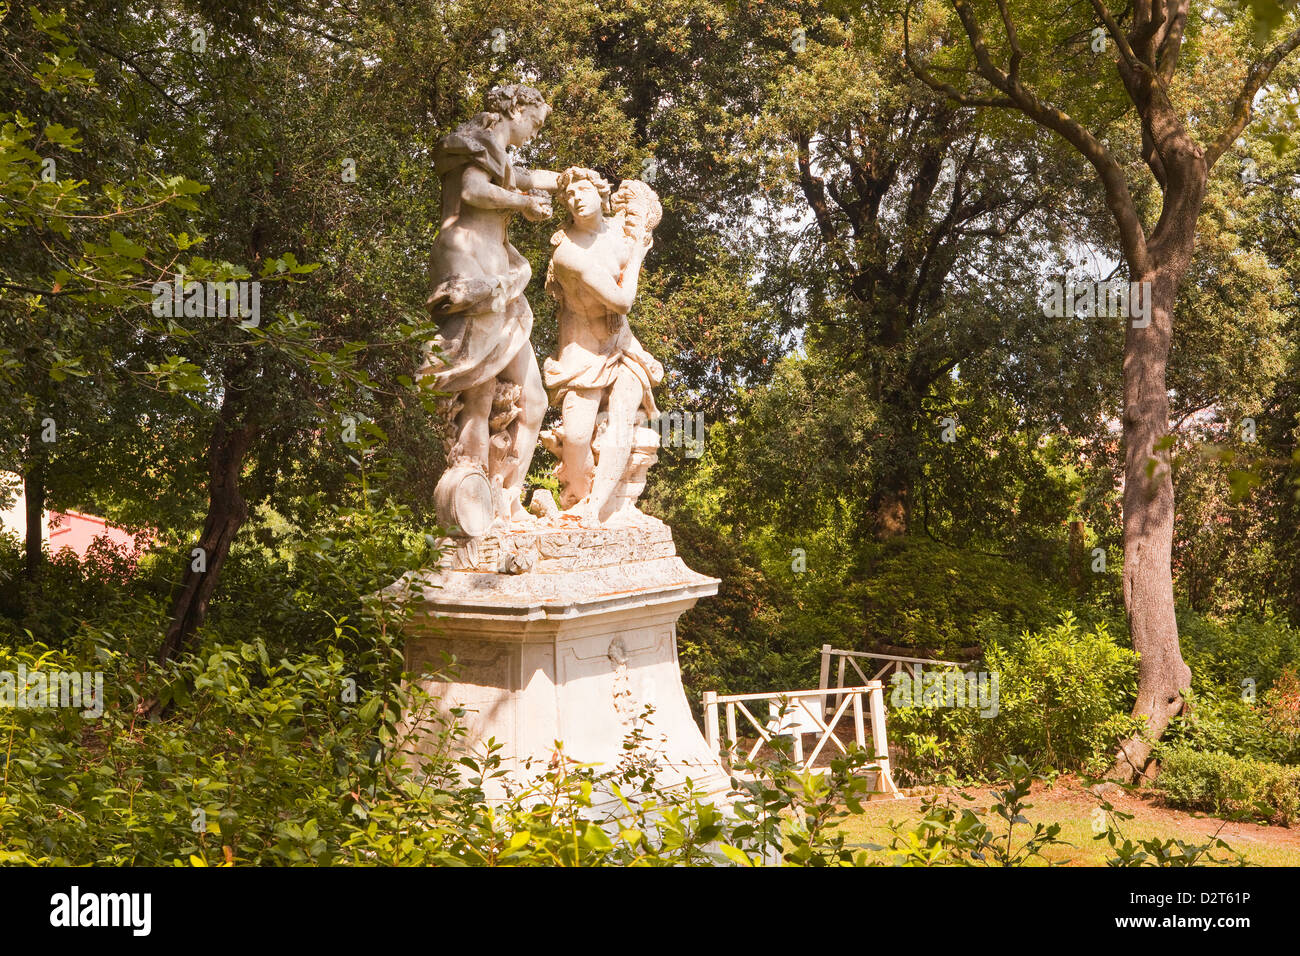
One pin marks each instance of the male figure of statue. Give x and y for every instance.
(484, 322)
(601, 372)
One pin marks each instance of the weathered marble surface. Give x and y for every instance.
(560, 544)
(563, 624)
(601, 378)
(573, 649)
(484, 357)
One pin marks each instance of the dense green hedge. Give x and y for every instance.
(915, 592)
(1219, 783)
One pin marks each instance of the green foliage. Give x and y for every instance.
(950, 835)
(1230, 725)
(289, 738)
(1066, 693)
(783, 596)
(1239, 787)
(824, 359)
(1064, 697)
(1282, 707)
(746, 637)
(910, 592)
(918, 593)
(277, 739)
(272, 763)
(1170, 852)
(108, 583)
(265, 766)
(793, 814)
(1224, 653)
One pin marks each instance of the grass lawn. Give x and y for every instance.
(1068, 803)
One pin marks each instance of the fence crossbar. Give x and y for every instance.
(865, 698)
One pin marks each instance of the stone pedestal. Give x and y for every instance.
(566, 634)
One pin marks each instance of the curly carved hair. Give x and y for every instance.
(505, 101)
(568, 177)
(577, 174)
(639, 204)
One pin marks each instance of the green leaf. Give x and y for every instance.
(735, 855)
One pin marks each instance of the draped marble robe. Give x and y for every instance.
(483, 318)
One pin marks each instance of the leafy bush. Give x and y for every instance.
(272, 762)
(288, 746)
(1227, 724)
(910, 592)
(263, 761)
(1219, 783)
(1065, 693)
(111, 584)
(279, 732)
(1169, 852)
(949, 835)
(1282, 710)
(1064, 697)
(1222, 654)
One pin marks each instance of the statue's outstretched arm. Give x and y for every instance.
(542, 179)
(479, 191)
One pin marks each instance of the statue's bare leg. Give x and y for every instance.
(524, 372)
(472, 422)
(616, 444)
(581, 407)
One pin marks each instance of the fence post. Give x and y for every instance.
(879, 738)
(731, 731)
(859, 733)
(824, 681)
(711, 720)
(839, 680)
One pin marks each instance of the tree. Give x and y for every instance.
(925, 231)
(79, 250)
(1148, 39)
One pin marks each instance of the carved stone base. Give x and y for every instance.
(572, 649)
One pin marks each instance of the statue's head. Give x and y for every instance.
(584, 192)
(520, 106)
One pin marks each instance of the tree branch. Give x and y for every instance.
(1118, 198)
(947, 89)
(1244, 106)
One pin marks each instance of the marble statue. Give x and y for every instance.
(601, 378)
(485, 360)
(562, 624)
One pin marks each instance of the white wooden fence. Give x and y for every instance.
(892, 663)
(795, 713)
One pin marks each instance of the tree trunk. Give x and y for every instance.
(1076, 556)
(890, 504)
(890, 510)
(34, 503)
(1163, 676)
(1148, 63)
(227, 512)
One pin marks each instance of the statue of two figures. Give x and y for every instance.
(601, 378)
